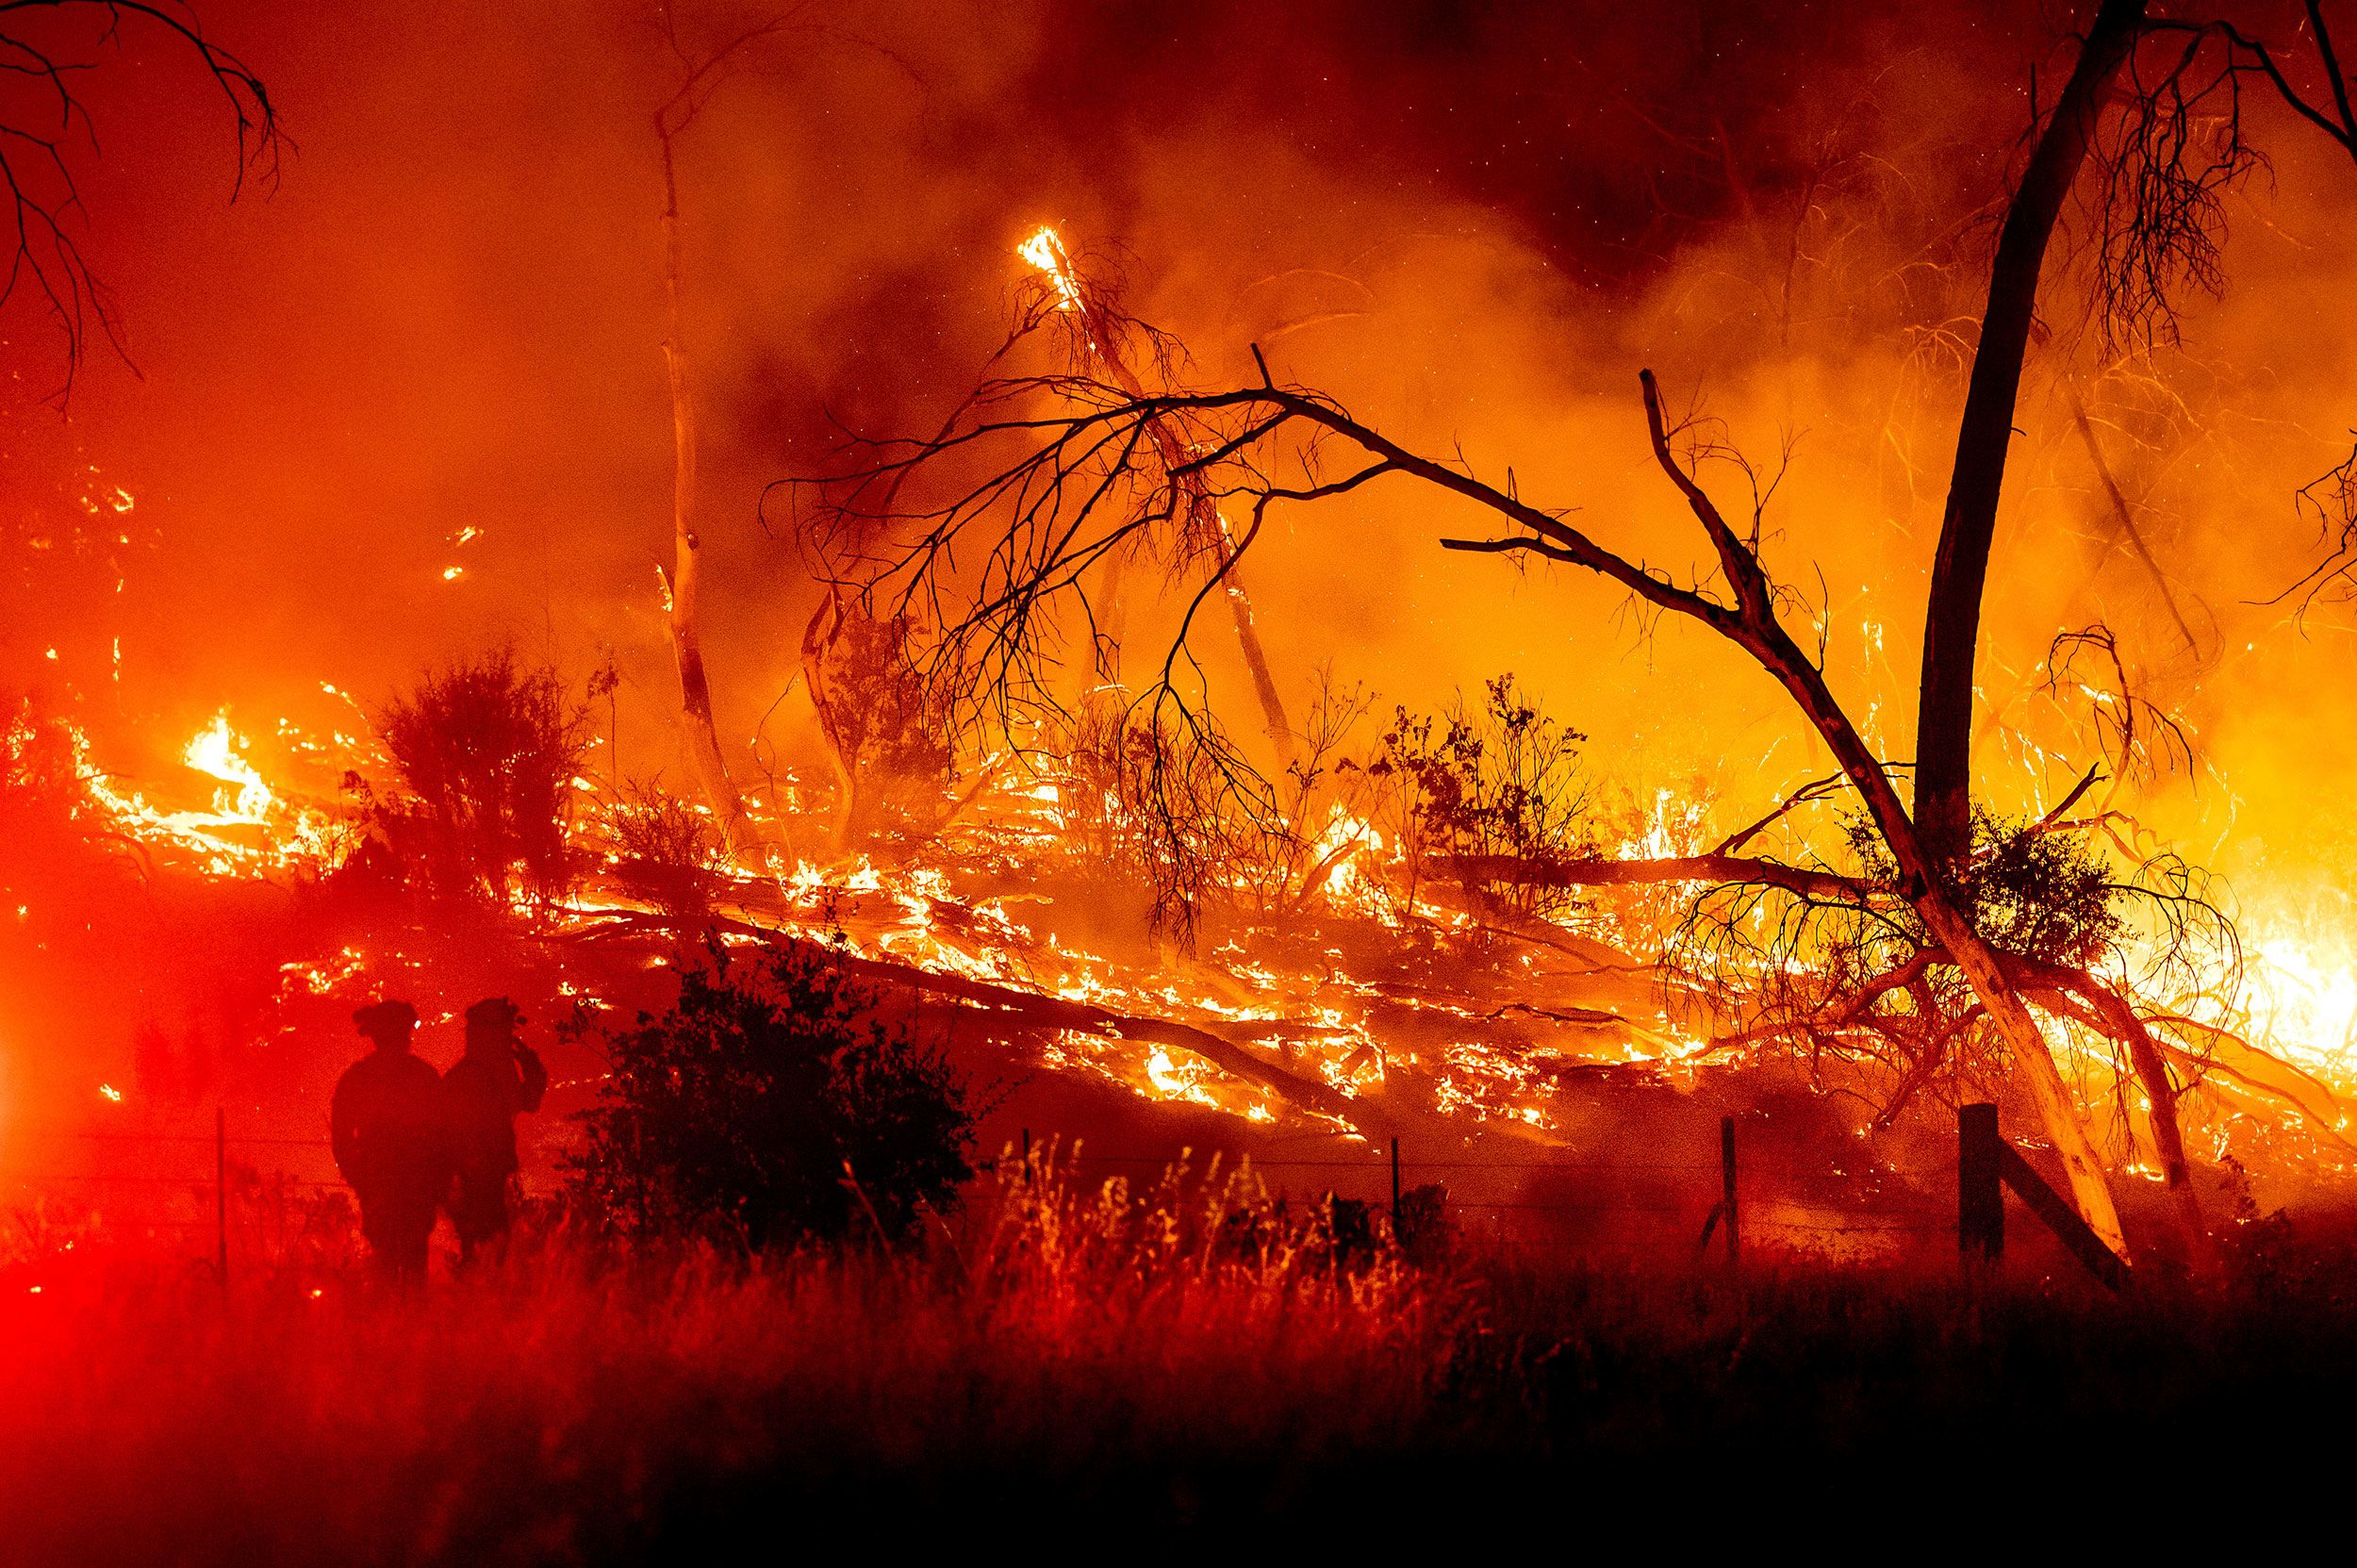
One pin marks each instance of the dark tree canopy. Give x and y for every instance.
(488, 752)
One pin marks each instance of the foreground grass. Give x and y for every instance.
(1065, 1359)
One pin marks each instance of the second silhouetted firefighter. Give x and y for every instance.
(499, 1079)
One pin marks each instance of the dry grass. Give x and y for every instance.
(1062, 1359)
(574, 1405)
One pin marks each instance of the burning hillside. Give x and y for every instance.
(1314, 690)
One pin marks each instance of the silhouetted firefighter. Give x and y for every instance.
(386, 1126)
(498, 1078)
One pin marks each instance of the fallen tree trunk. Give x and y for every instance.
(1721, 871)
(1055, 1015)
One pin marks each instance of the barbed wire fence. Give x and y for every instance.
(1666, 1207)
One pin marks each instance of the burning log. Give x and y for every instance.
(1030, 1011)
(1717, 871)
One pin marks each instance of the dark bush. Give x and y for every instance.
(1503, 781)
(769, 1101)
(488, 752)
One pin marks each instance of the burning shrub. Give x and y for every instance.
(488, 752)
(1163, 801)
(2048, 895)
(888, 728)
(771, 1103)
(1502, 782)
(1168, 807)
(1306, 826)
(671, 852)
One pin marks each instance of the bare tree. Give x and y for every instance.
(44, 44)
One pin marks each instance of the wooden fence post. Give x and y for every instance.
(1980, 1198)
(2062, 1219)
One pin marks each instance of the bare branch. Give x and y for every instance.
(43, 197)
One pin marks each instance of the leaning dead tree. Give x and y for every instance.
(44, 44)
(1102, 335)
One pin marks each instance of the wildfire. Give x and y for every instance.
(1046, 251)
(2304, 984)
(214, 753)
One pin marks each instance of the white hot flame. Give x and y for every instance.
(214, 753)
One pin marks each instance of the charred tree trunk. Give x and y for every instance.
(702, 739)
(818, 635)
(1952, 626)
(1280, 731)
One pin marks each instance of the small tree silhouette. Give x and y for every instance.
(488, 749)
(772, 1101)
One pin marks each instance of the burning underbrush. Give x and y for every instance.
(1446, 935)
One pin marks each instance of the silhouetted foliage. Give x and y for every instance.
(1502, 780)
(48, 48)
(2048, 895)
(770, 1101)
(488, 752)
(668, 852)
